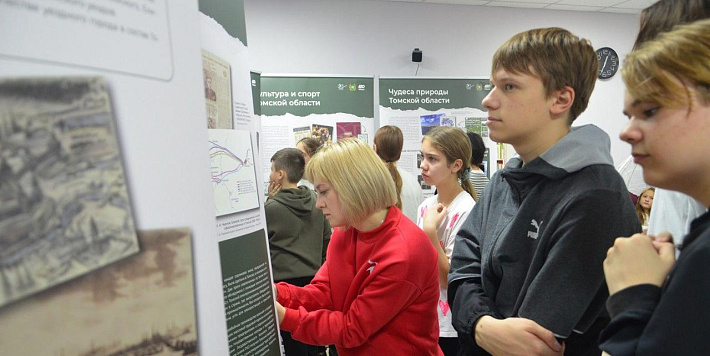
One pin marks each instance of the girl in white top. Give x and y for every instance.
(446, 152)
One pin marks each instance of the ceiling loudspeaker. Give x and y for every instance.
(416, 55)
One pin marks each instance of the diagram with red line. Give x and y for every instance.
(232, 170)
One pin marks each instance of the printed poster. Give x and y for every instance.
(416, 105)
(235, 173)
(327, 108)
(147, 55)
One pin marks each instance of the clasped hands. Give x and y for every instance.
(639, 259)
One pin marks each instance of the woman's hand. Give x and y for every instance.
(281, 311)
(637, 260)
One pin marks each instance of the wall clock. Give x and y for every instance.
(608, 62)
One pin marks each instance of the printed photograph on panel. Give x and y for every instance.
(217, 80)
(322, 133)
(348, 129)
(448, 121)
(477, 125)
(142, 305)
(429, 121)
(64, 206)
(301, 133)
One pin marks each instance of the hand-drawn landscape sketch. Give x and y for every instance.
(142, 305)
(64, 206)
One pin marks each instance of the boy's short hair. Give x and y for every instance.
(557, 57)
(291, 160)
(661, 70)
(357, 174)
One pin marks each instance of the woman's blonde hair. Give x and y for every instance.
(454, 144)
(663, 70)
(357, 174)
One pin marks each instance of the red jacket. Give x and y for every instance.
(376, 294)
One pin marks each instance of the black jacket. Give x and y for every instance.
(533, 246)
(675, 320)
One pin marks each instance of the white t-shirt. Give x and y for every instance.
(457, 212)
(673, 212)
(412, 194)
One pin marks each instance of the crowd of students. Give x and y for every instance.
(550, 258)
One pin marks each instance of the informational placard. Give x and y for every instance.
(416, 105)
(235, 175)
(90, 33)
(326, 108)
(249, 306)
(111, 137)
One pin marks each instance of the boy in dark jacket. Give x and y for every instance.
(526, 276)
(298, 232)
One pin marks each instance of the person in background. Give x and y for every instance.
(478, 178)
(526, 275)
(388, 146)
(377, 291)
(445, 164)
(673, 211)
(298, 232)
(643, 207)
(660, 306)
(309, 146)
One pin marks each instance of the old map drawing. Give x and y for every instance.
(233, 172)
(142, 305)
(64, 206)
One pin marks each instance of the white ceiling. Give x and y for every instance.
(617, 6)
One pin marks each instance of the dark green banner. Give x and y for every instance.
(248, 296)
(302, 96)
(229, 14)
(256, 91)
(433, 94)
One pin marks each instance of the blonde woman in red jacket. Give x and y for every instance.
(377, 292)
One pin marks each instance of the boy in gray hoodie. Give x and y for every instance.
(298, 231)
(526, 273)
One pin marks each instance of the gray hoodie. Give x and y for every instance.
(534, 244)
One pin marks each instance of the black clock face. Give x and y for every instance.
(608, 62)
